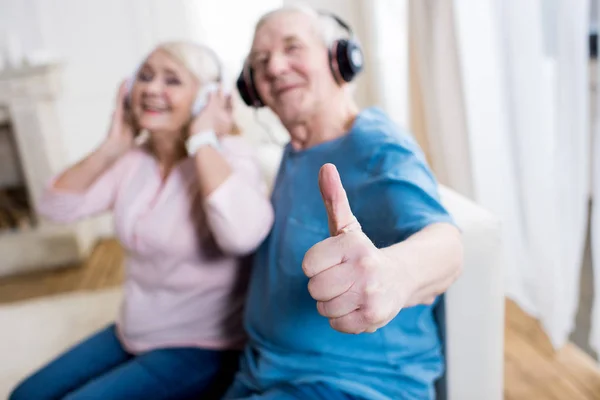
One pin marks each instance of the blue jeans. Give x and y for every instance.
(288, 391)
(99, 368)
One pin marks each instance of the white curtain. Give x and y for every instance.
(595, 231)
(437, 71)
(505, 96)
(595, 220)
(384, 28)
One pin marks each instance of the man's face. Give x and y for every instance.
(291, 67)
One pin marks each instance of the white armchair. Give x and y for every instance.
(472, 315)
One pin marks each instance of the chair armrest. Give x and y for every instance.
(474, 306)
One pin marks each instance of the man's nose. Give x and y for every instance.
(277, 64)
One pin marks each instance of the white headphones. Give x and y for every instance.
(204, 91)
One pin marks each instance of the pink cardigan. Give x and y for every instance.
(185, 284)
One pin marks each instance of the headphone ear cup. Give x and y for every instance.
(243, 89)
(129, 85)
(349, 58)
(202, 97)
(247, 90)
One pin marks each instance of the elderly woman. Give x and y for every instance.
(188, 202)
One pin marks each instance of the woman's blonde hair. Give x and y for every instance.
(201, 61)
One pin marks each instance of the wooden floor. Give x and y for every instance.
(102, 269)
(532, 369)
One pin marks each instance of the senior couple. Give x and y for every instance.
(349, 253)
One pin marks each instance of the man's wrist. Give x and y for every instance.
(407, 279)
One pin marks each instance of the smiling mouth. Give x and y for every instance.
(154, 110)
(286, 89)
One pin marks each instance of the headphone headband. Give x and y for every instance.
(221, 78)
(338, 20)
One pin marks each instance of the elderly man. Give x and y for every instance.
(342, 291)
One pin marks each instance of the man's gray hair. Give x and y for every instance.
(328, 29)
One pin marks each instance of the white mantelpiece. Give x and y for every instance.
(30, 95)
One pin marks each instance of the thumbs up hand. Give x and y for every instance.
(356, 285)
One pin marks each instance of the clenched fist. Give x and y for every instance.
(356, 285)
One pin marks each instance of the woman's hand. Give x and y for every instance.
(217, 116)
(121, 133)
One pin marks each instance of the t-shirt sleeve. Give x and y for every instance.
(400, 195)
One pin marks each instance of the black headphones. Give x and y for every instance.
(345, 61)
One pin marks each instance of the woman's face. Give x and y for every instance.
(163, 94)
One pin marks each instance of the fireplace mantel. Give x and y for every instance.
(30, 94)
(39, 81)
(29, 97)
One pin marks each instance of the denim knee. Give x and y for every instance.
(24, 391)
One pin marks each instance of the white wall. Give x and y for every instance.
(20, 17)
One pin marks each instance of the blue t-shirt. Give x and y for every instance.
(393, 195)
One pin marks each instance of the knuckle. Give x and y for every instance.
(335, 324)
(312, 289)
(321, 308)
(371, 289)
(346, 328)
(371, 285)
(307, 265)
(373, 315)
(367, 265)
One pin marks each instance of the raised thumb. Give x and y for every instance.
(339, 215)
